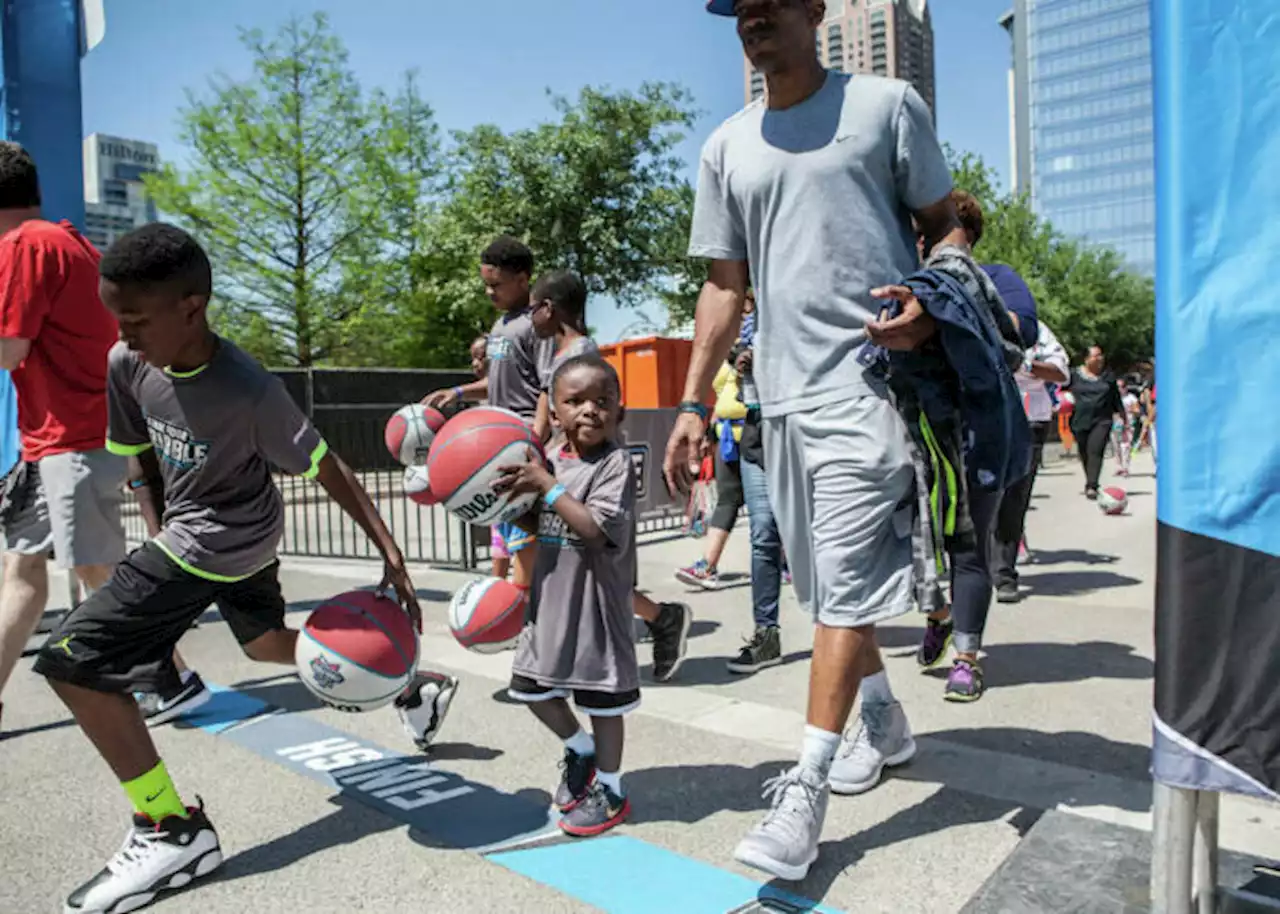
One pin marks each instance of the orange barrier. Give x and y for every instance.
(652, 370)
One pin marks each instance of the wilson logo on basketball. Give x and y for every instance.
(326, 674)
(476, 507)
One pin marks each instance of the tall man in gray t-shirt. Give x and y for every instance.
(809, 198)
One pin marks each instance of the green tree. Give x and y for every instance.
(279, 190)
(597, 190)
(1085, 293)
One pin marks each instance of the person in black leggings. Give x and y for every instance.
(1097, 402)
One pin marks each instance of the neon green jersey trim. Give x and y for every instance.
(316, 456)
(127, 450)
(207, 575)
(185, 374)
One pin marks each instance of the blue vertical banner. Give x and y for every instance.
(1217, 695)
(41, 42)
(40, 46)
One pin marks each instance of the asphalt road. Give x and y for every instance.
(1065, 724)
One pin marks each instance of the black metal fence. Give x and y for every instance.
(350, 408)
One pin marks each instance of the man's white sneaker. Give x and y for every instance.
(786, 842)
(154, 859)
(880, 738)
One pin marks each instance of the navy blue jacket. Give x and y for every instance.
(964, 370)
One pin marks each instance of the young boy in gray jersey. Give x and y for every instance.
(514, 353)
(559, 312)
(577, 638)
(207, 423)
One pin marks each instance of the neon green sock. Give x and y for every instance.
(154, 795)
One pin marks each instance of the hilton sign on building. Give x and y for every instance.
(115, 200)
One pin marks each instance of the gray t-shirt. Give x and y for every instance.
(817, 198)
(583, 345)
(516, 355)
(579, 634)
(217, 432)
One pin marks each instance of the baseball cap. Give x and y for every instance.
(720, 7)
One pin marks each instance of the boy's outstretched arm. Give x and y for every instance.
(463, 393)
(337, 479)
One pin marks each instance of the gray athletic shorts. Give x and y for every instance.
(67, 503)
(841, 482)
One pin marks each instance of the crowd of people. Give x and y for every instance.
(882, 404)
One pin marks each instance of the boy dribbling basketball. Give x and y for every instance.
(206, 422)
(577, 639)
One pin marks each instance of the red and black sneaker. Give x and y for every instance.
(600, 810)
(576, 773)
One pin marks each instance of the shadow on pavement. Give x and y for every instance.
(1076, 748)
(1073, 583)
(283, 692)
(1044, 663)
(452, 752)
(38, 728)
(691, 793)
(943, 809)
(1069, 556)
(350, 822)
(711, 671)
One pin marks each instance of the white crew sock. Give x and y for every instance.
(612, 780)
(582, 743)
(819, 749)
(876, 690)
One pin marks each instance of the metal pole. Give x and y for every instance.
(1205, 866)
(1172, 841)
(469, 561)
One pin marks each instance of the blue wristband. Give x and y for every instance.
(458, 394)
(553, 494)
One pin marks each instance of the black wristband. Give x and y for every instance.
(693, 406)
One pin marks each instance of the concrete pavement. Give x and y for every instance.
(1065, 724)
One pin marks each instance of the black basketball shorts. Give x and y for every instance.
(121, 639)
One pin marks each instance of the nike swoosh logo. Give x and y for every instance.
(156, 795)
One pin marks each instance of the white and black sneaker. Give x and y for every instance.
(155, 859)
(158, 708)
(424, 705)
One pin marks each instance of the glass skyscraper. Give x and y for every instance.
(1082, 114)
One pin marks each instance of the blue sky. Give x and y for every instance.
(492, 62)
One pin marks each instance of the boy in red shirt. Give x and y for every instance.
(65, 492)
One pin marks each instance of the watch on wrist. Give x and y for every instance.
(693, 406)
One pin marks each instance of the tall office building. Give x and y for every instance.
(115, 200)
(885, 37)
(1082, 120)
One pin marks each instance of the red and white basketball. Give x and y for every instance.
(357, 651)
(487, 614)
(1113, 500)
(410, 431)
(465, 460)
(417, 485)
